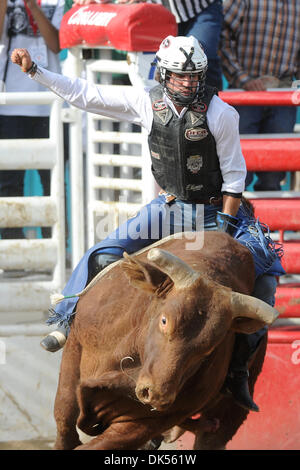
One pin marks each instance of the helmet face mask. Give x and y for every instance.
(182, 89)
(181, 65)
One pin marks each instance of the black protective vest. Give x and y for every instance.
(183, 151)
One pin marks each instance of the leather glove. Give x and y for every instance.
(227, 223)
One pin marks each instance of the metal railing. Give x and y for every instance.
(279, 209)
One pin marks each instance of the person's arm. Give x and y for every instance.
(234, 11)
(223, 121)
(47, 30)
(226, 220)
(230, 205)
(3, 7)
(123, 104)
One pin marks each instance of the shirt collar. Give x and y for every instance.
(170, 103)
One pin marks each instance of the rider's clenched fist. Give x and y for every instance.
(22, 58)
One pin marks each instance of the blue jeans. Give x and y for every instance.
(265, 288)
(266, 120)
(157, 220)
(206, 27)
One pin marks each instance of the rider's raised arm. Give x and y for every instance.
(123, 104)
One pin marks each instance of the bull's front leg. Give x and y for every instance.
(66, 407)
(131, 435)
(195, 426)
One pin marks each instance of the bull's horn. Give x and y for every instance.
(181, 273)
(250, 307)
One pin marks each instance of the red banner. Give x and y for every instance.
(136, 27)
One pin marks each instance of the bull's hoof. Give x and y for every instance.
(54, 341)
(154, 444)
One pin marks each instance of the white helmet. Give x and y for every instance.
(182, 55)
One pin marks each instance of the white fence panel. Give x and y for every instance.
(29, 375)
(36, 255)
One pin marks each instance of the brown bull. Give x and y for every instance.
(150, 346)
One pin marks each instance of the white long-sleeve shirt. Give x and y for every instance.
(134, 105)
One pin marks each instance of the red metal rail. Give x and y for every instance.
(278, 154)
(272, 154)
(284, 214)
(291, 258)
(288, 300)
(279, 214)
(261, 98)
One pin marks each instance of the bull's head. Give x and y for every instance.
(189, 317)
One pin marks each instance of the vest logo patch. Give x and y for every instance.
(199, 107)
(155, 155)
(159, 105)
(194, 163)
(164, 116)
(194, 187)
(197, 118)
(196, 133)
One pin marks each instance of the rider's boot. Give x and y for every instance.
(237, 379)
(55, 340)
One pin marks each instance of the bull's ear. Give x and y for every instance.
(146, 276)
(246, 325)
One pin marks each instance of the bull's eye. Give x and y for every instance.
(163, 323)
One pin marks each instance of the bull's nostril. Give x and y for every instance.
(145, 393)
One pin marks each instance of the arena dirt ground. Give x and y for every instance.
(27, 445)
(48, 445)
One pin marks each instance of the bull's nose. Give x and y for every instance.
(144, 393)
(148, 396)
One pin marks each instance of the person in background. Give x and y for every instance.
(33, 24)
(202, 19)
(196, 159)
(260, 49)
